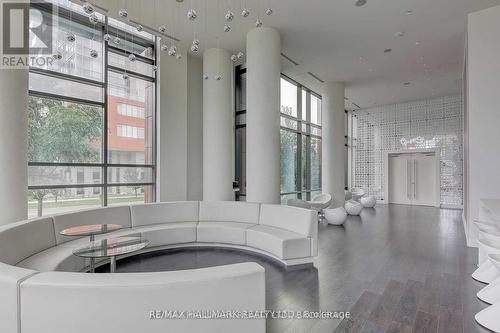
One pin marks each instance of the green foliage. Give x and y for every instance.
(63, 132)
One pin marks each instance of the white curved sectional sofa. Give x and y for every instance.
(43, 290)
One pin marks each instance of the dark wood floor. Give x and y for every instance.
(395, 268)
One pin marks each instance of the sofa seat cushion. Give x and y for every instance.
(57, 258)
(168, 234)
(282, 243)
(61, 258)
(223, 232)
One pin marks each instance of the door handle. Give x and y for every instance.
(408, 184)
(415, 179)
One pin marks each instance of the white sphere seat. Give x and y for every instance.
(335, 216)
(353, 207)
(486, 272)
(489, 232)
(489, 317)
(368, 201)
(491, 293)
(298, 203)
(321, 201)
(357, 193)
(348, 195)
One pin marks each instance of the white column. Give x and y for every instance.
(13, 145)
(217, 126)
(333, 164)
(263, 115)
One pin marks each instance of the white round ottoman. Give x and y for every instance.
(353, 207)
(368, 201)
(335, 216)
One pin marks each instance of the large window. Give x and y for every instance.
(300, 141)
(300, 135)
(92, 118)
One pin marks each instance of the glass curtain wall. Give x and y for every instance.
(300, 136)
(91, 118)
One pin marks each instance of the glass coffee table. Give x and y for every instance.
(90, 230)
(111, 248)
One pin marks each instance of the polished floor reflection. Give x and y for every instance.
(396, 268)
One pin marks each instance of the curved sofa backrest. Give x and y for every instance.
(10, 279)
(124, 302)
(164, 212)
(21, 240)
(299, 220)
(229, 211)
(117, 215)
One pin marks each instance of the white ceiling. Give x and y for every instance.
(328, 37)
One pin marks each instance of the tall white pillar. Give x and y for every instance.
(263, 115)
(333, 123)
(218, 166)
(13, 145)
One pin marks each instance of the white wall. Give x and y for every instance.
(173, 128)
(195, 128)
(483, 107)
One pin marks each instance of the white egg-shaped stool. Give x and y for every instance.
(353, 207)
(491, 293)
(368, 201)
(335, 216)
(357, 193)
(486, 272)
(486, 231)
(489, 317)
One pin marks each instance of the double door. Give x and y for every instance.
(413, 179)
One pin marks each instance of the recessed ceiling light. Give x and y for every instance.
(387, 50)
(399, 34)
(360, 3)
(406, 84)
(361, 58)
(417, 42)
(409, 12)
(180, 0)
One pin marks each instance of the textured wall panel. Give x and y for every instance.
(433, 123)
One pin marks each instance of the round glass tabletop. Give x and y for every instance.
(90, 229)
(111, 247)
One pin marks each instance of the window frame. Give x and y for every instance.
(104, 184)
(300, 192)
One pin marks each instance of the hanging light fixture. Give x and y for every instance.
(117, 40)
(195, 48)
(70, 37)
(234, 58)
(106, 37)
(132, 57)
(205, 77)
(94, 54)
(139, 28)
(57, 55)
(88, 8)
(164, 47)
(227, 28)
(229, 16)
(162, 29)
(123, 13)
(192, 14)
(258, 23)
(240, 55)
(172, 51)
(155, 68)
(245, 12)
(269, 11)
(217, 77)
(93, 18)
(178, 56)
